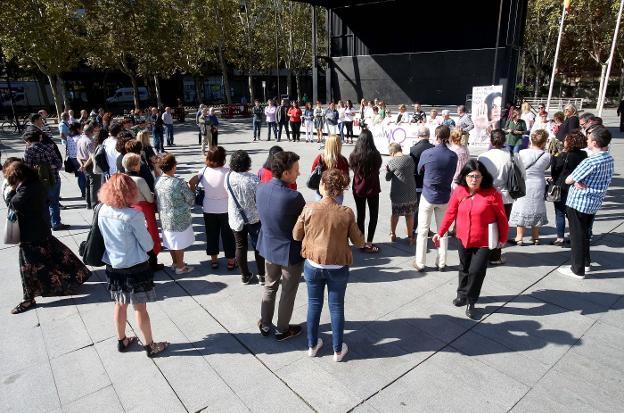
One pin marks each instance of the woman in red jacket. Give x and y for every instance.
(474, 205)
(294, 114)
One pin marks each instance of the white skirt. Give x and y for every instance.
(173, 240)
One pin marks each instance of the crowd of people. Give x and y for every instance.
(129, 183)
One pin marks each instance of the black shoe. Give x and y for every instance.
(442, 268)
(158, 267)
(61, 227)
(471, 311)
(263, 330)
(293, 331)
(261, 279)
(249, 279)
(459, 301)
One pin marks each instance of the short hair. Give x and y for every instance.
(442, 133)
(601, 136)
(130, 161)
(35, 117)
(461, 108)
(90, 127)
(597, 120)
(574, 140)
(402, 107)
(115, 128)
(559, 116)
(283, 161)
(215, 158)
(275, 149)
(17, 171)
(539, 138)
(133, 146)
(33, 135)
(119, 191)
(455, 137)
(473, 165)
(120, 146)
(445, 112)
(74, 128)
(587, 117)
(167, 162)
(394, 147)
(8, 161)
(497, 138)
(334, 182)
(424, 131)
(240, 161)
(65, 116)
(571, 108)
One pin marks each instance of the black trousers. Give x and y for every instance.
(580, 225)
(473, 264)
(217, 224)
(348, 125)
(242, 243)
(296, 130)
(373, 206)
(279, 133)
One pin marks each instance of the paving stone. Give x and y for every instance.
(29, 390)
(65, 334)
(102, 401)
(78, 373)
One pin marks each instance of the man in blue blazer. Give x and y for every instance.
(279, 207)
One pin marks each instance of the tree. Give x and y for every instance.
(44, 34)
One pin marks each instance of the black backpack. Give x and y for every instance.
(93, 248)
(101, 160)
(515, 181)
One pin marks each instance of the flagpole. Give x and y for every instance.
(606, 82)
(554, 70)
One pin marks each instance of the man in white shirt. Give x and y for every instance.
(168, 121)
(109, 147)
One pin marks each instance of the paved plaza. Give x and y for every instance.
(544, 342)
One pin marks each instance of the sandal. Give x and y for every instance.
(214, 264)
(154, 349)
(370, 249)
(519, 242)
(23, 306)
(392, 237)
(231, 265)
(536, 241)
(124, 343)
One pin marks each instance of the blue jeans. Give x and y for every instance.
(341, 131)
(336, 281)
(80, 177)
(271, 126)
(157, 139)
(54, 206)
(257, 124)
(515, 149)
(560, 216)
(169, 131)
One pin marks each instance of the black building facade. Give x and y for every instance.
(405, 51)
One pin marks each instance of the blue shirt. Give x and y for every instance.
(595, 172)
(125, 236)
(278, 208)
(63, 130)
(438, 166)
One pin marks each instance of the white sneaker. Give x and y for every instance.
(587, 269)
(568, 271)
(313, 350)
(184, 270)
(343, 353)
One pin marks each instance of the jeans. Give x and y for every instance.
(560, 216)
(516, 148)
(336, 281)
(341, 131)
(217, 224)
(285, 126)
(580, 225)
(309, 127)
(332, 129)
(54, 206)
(296, 131)
(349, 127)
(241, 239)
(288, 277)
(256, 124)
(373, 207)
(157, 140)
(472, 267)
(80, 177)
(169, 132)
(425, 211)
(271, 126)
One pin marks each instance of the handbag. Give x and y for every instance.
(252, 229)
(515, 181)
(69, 166)
(200, 193)
(11, 228)
(314, 181)
(92, 249)
(553, 189)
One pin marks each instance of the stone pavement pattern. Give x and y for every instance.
(544, 342)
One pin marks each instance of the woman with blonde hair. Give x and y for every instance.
(331, 158)
(527, 116)
(147, 152)
(463, 154)
(130, 278)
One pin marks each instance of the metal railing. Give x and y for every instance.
(556, 104)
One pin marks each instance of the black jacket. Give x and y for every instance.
(415, 152)
(558, 172)
(281, 114)
(29, 201)
(568, 126)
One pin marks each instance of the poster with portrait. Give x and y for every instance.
(486, 113)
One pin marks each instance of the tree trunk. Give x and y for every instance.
(61, 87)
(44, 98)
(226, 77)
(621, 93)
(536, 86)
(289, 83)
(298, 84)
(157, 86)
(250, 86)
(55, 95)
(602, 76)
(198, 91)
(135, 91)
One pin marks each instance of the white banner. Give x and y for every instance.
(486, 113)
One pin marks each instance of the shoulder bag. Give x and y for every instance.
(200, 193)
(252, 229)
(553, 189)
(314, 181)
(92, 249)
